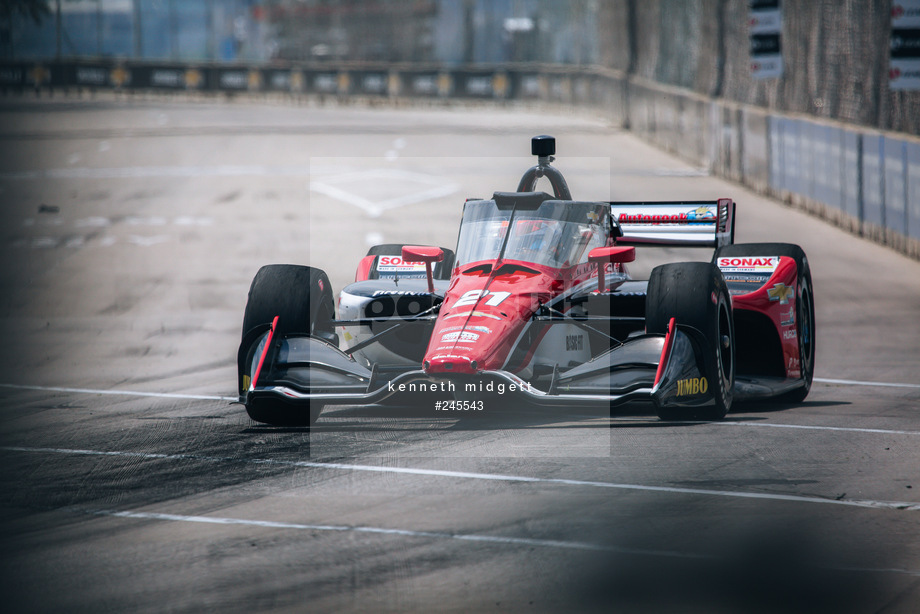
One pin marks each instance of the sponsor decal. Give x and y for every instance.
(166, 78)
(702, 214)
(692, 386)
(789, 334)
(787, 319)
(480, 329)
(460, 337)
(781, 292)
(479, 314)
(450, 356)
(747, 279)
(748, 264)
(91, 75)
(574, 343)
(397, 293)
(395, 264)
(10, 75)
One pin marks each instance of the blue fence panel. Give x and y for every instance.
(913, 190)
(827, 187)
(851, 169)
(834, 168)
(808, 152)
(791, 159)
(873, 188)
(775, 136)
(895, 185)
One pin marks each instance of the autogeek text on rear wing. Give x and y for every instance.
(686, 223)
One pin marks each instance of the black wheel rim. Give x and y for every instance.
(725, 348)
(806, 330)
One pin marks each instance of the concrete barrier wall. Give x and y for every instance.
(860, 179)
(863, 180)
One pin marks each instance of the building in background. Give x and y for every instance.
(448, 32)
(215, 30)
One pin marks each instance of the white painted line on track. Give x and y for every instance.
(847, 382)
(495, 539)
(430, 188)
(807, 427)
(912, 506)
(489, 539)
(130, 393)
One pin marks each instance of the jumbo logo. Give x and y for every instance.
(692, 386)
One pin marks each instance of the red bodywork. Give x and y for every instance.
(487, 307)
(776, 300)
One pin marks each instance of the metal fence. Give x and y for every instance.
(835, 54)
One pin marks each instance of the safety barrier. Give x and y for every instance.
(859, 178)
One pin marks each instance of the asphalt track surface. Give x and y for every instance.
(129, 234)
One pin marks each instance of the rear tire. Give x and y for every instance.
(695, 294)
(301, 298)
(804, 305)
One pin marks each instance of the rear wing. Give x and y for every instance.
(707, 223)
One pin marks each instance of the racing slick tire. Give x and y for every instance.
(804, 305)
(301, 297)
(695, 294)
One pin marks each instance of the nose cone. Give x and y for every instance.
(448, 363)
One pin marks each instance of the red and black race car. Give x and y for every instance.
(520, 308)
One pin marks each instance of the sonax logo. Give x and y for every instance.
(749, 264)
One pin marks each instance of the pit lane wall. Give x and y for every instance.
(861, 179)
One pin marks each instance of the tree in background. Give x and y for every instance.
(37, 10)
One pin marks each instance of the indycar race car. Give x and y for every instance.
(536, 302)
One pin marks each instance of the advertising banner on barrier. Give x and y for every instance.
(904, 58)
(765, 23)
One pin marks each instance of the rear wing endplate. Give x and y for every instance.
(708, 223)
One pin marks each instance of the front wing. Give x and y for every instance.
(665, 369)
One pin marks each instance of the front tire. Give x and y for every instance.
(301, 298)
(695, 294)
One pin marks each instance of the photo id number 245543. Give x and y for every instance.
(458, 405)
